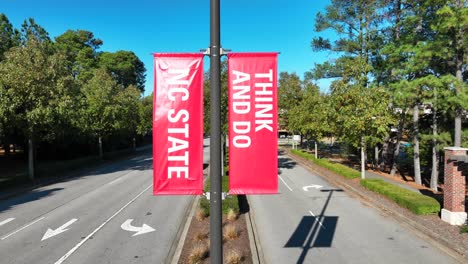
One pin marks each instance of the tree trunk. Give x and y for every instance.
(459, 74)
(435, 159)
(134, 144)
(101, 155)
(376, 157)
(7, 148)
(384, 154)
(397, 19)
(31, 159)
(396, 151)
(316, 149)
(417, 164)
(458, 118)
(363, 158)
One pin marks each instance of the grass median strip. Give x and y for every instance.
(335, 167)
(415, 202)
(230, 202)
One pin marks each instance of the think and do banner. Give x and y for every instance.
(253, 123)
(178, 124)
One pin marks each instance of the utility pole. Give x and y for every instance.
(216, 239)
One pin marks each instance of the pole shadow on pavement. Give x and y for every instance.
(314, 231)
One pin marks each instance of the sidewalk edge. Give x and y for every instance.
(178, 250)
(255, 247)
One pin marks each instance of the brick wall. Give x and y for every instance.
(454, 181)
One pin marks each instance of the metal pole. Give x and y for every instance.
(216, 239)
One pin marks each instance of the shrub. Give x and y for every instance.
(200, 215)
(233, 257)
(198, 253)
(464, 229)
(230, 232)
(335, 167)
(231, 215)
(200, 236)
(415, 202)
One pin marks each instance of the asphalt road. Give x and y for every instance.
(311, 221)
(106, 215)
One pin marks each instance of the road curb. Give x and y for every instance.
(178, 250)
(255, 247)
(420, 230)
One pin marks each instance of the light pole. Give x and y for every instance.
(216, 239)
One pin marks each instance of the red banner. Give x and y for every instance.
(178, 124)
(253, 123)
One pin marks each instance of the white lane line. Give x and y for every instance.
(26, 226)
(64, 257)
(7, 221)
(316, 219)
(114, 181)
(285, 183)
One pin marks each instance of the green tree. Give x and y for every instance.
(30, 30)
(36, 88)
(311, 116)
(80, 47)
(9, 36)
(102, 108)
(289, 96)
(145, 115)
(356, 103)
(126, 68)
(129, 116)
(411, 59)
(451, 46)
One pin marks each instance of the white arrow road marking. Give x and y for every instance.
(6, 221)
(50, 233)
(127, 226)
(315, 186)
(30, 224)
(64, 257)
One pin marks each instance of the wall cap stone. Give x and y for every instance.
(456, 149)
(453, 218)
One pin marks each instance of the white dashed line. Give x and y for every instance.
(6, 221)
(316, 220)
(68, 254)
(285, 183)
(26, 226)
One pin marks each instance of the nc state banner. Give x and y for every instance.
(253, 123)
(178, 124)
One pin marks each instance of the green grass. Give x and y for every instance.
(340, 169)
(415, 202)
(230, 202)
(464, 229)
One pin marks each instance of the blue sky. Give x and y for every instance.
(147, 26)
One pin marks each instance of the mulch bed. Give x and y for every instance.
(198, 234)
